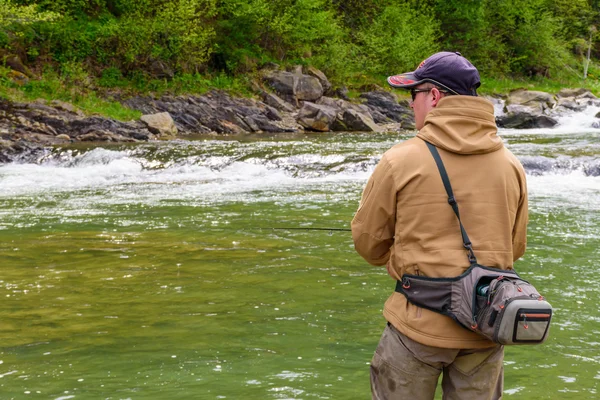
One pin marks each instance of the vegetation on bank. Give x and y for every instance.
(89, 52)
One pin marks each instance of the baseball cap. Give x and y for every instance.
(449, 70)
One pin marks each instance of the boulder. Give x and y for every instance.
(18, 77)
(570, 92)
(387, 104)
(531, 98)
(570, 104)
(293, 87)
(277, 102)
(525, 120)
(321, 77)
(355, 121)
(316, 117)
(282, 82)
(330, 102)
(308, 88)
(160, 124)
(14, 62)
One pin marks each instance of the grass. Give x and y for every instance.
(92, 96)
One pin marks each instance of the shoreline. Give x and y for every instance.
(299, 101)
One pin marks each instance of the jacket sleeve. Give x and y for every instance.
(519, 239)
(374, 223)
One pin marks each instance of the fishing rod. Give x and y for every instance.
(310, 229)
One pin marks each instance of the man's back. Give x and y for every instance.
(407, 212)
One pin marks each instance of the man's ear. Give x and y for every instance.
(436, 95)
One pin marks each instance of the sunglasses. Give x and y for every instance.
(413, 92)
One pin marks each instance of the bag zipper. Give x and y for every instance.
(418, 273)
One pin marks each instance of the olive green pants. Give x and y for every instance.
(404, 369)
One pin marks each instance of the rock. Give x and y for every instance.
(14, 62)
(272, 113)
(531, 98)
(321, 77)
(308, 88)
(277, 102)
(532, 109)
(570, 92)
(62, 105)
(355, 121)
(342, 92)
(262, 123)
(294, 87)
(230, 127)
(525, 120)
(297, 70)
(597, 114)
(570, 104)
(160, 124)
(385, 103)
(19, 150)
(18, 77)
(282, 82)
(316, 117)
(98, 136)
(330, 102)
(339, 126)
(62, 136)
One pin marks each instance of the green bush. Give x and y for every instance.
(398, 40)
(18, 23)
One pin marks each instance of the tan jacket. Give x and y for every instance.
(404, 219)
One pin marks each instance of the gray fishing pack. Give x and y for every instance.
(507, 310)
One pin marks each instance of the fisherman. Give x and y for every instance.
(404, 222)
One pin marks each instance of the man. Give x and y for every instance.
(405, 222)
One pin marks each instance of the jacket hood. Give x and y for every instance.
(462, 125)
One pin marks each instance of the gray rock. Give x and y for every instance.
(321, 77)
(570, 92)
(570, 104)
(293, 87)
(387, 104)
(282, 82)
(342, 92)
(297, 70)
(277, 102)
(160, 124)
(524, 120)
(308, 88)
(356, 121)
(531, 98)
(316, 117)
(531, 108)
(331, 102)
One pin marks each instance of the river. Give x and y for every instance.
(177, 269)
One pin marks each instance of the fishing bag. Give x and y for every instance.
(507, 309)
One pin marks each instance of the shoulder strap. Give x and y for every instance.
(452, 201)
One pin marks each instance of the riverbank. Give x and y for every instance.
(299, 100)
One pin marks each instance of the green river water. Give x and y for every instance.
(171, 270)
